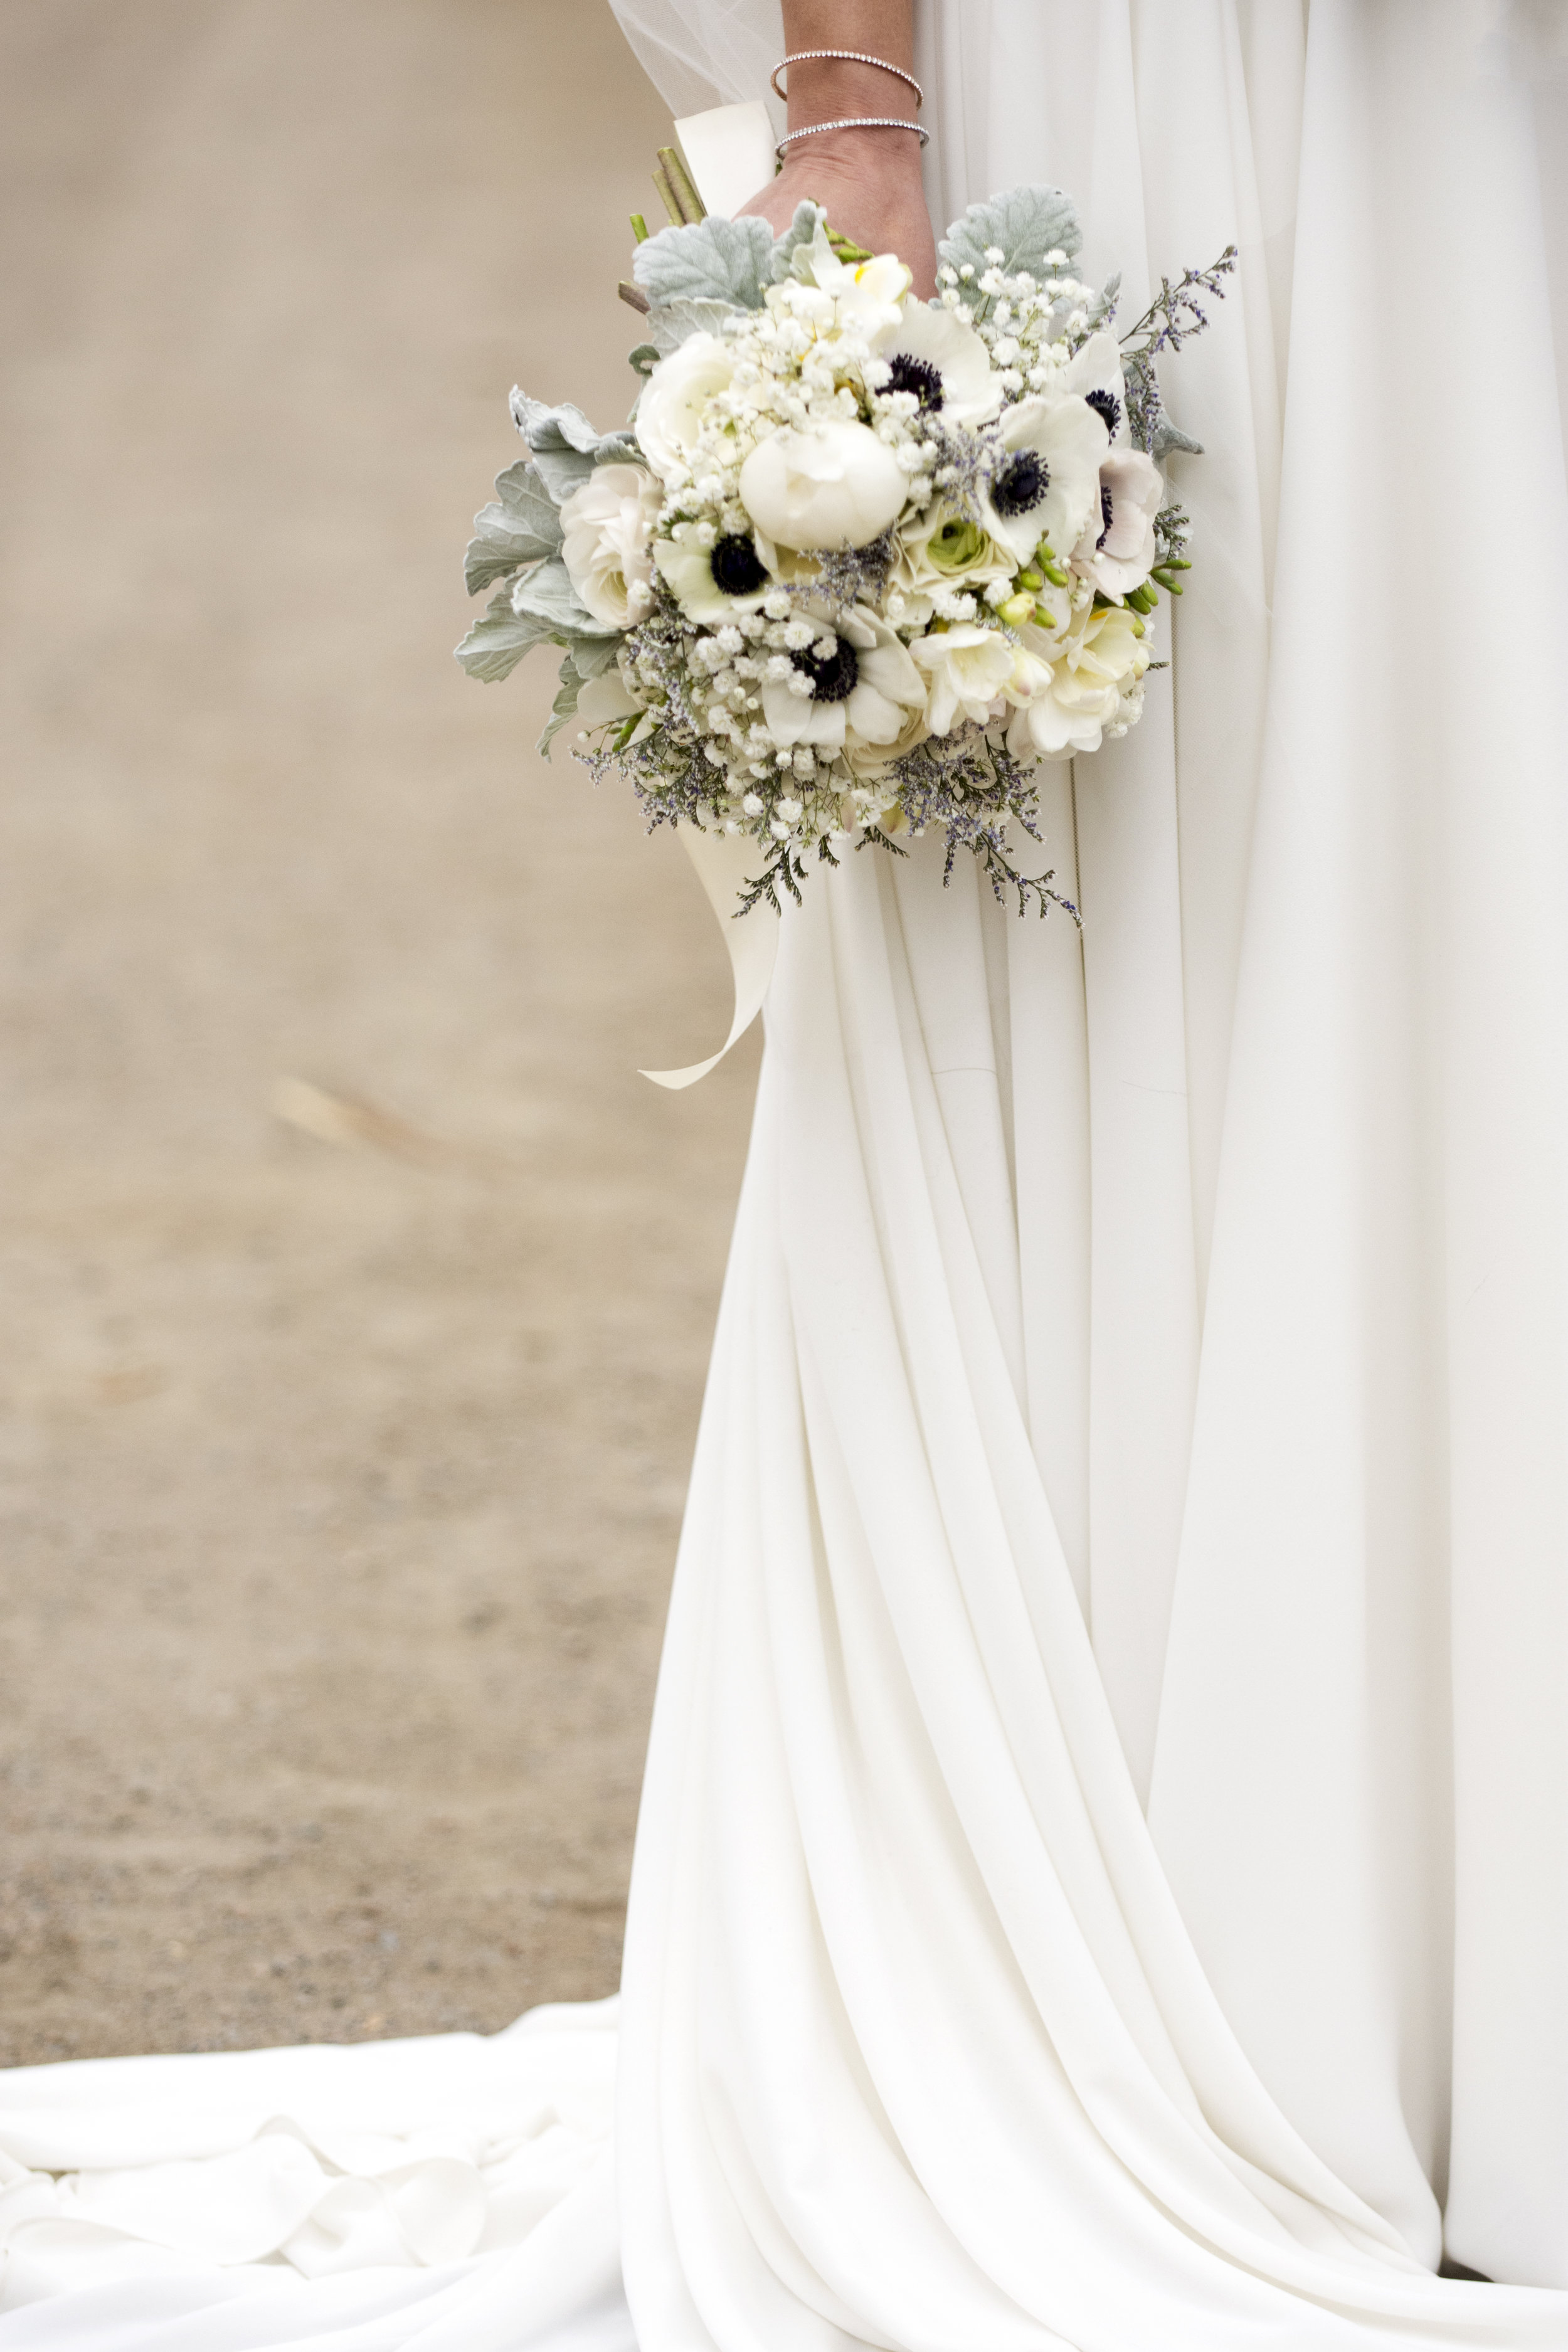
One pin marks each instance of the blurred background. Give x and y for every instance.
(355, 1293)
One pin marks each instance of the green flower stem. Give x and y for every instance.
(640, 228)
(693, 207)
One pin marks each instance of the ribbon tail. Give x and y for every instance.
(729, 153)
(722, 860)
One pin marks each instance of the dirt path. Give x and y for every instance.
(342, 1452)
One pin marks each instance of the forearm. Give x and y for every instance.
(826, 90)
(868, 180)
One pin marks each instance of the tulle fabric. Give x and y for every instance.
(1103, 1871)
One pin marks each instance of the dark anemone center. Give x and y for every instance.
(737, 567)
(1107, 515)
(1021, 483)
(833, 675)
(1107, 407)
(906, 373)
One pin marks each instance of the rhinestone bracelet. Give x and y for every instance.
(853, 122)
(848, 57)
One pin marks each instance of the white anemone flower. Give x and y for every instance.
(712, 583)
(606, 529)
(1117, 548)
(833, 485)
(1045, 484)
(939, 360)
(968, 667)
(1094, 374)
(1091, 673)
(670, 413)
(863, 692)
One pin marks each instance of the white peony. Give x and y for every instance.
(968, 668)
(670, 413)
(1117, 548)
(939, 360)
(834, 485)
(866, 689)
(607, 528)
(1046, 484)
(1089, 673)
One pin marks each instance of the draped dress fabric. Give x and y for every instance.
(1102, 1879)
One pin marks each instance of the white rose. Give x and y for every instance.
(669, 413)
(834, 486)
(607, 527)
(968, 668)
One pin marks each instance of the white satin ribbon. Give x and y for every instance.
(725, 862)
(729, 153)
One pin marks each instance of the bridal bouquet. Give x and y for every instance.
(859, 562)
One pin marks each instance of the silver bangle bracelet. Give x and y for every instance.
(853, 122)
(848, 57)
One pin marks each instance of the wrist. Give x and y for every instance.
(826, 90)
(856, 154)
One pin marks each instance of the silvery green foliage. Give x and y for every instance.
(566, 447)
(588, 658)
(671, 324)
(548, 595)
(1025, 223)
(540, 608)
(793, 252)
(520, 527)
(495, 644)
(1169, 436)
(1103, 304)
(712, 260)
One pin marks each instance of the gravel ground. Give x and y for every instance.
(357, 1292)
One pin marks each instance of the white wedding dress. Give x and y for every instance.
(1103, 1871)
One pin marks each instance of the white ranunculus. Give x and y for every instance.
(669, 413)
(968, 668)
(868, 690)
(606, 529)
(943, 549)
(832, 485)
(1046, 484)
(934, 355)
(1118, 547)
(1101, 660)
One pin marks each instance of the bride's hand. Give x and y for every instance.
(869, 184)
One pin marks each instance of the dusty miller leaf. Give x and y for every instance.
(564, 704)
(1104, 302)
(548, 597)
(797, 238)
(589, 658)
(565, 445)
(1025, 223)
(1169, 436)
(495, 644)
(712, 260)
(519, 528)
